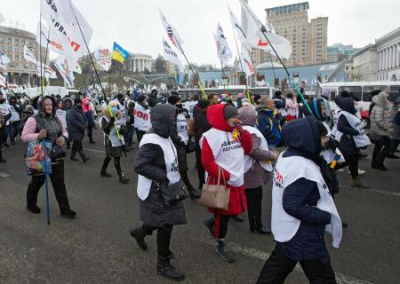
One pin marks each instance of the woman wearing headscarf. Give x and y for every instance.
(381, 129)
(46, 126)
(224, 147)
(156, 164)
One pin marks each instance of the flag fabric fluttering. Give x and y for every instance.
(224, 52)
(46, 39)
(4, 60)
(61, 65)
(29, 56)
(66, 22)
(248, 67)
(103, 57)
(172, 33)
(46, 70)
(237, 27)
(170, 54)
(119, 54)
(256, 39)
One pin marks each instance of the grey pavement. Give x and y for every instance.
(96, 247)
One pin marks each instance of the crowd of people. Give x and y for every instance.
(236, 143)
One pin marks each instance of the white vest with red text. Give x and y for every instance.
(142, 118)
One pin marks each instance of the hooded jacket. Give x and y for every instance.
(269, 125)
(237, 202)
(302, 137)
(76, 123)
(381, 117)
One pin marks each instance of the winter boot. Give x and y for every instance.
(103, 171)
(83, 156)
(68, 213)
(259, 227)
(123, 179)
(210, 225)
(166, 269)
(138, 234)
(223, 252)
(357, 184)
(193, 193)
(33, 208)
(73, 155)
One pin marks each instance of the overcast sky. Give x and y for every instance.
(136, 25)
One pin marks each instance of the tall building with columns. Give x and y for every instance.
(138, 62)
(12, 41)
(388, 48)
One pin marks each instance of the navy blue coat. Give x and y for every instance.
(76, 124)
(347, 144)
(300, 198)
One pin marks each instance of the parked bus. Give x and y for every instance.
(361, 91)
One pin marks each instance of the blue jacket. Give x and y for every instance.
(269, 126)
(76, 122)
(300, 198)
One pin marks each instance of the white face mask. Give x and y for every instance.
(231, 124)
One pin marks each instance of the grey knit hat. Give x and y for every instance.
(229, 111)
(248, 115)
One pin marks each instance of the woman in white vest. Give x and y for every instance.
(257, 168)
(223, 147)
(141, 114)
(351, 137)
(114, 130)
(5, 115)
(156, 164)
(181, 141)
(302, 207)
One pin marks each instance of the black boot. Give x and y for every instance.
(138, 234)
(166, 269)
(73, 155)
(33, 208)
(83, 156)
(259, 227)
(193, 193)
(210, 225)
(223, 252)
(122, 177)
(103, 171)
(68, 213)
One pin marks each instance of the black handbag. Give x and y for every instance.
(173, 193)
(58, 154)
(191, 146)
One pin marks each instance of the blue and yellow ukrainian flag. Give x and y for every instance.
(119, 54)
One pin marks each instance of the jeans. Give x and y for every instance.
(14, 130)
(279, 266)
(57, 180)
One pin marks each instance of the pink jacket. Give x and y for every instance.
(85, 107)
(29, 133)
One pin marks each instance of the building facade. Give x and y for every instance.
(12, 42)
(388, 49)
(365, 64)
(309, 40)
(339, 52)
(139, 63)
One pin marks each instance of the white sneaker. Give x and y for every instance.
(360, 172)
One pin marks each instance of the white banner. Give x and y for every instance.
(255, 38)
(245, 58)
(60, 16)
(46, 39)
(172, 33)
(224, 52)
(61, 65)
(29, 56)
(240, 33)
(103, 57)
(170, 54)
(46, 70)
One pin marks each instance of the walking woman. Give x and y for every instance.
(257, 168)
(76, 129)
(114, 130)
(351, 137)
(292, 107)
(156, 164)
(224, 147)
(381, 130)
(45, 125)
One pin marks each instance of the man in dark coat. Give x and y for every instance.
(76, 129)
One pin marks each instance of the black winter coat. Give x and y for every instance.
(76, 124)
(149, 162)
(347, 145)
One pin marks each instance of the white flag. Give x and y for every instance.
(29, 56)
(224, 52)
(60, 16)
(170, 54)
(241, 34)
(4, 60)
(62, 66)
(103, 57)
(248, 67)
(46, 70)
(47, 39)
(256, 39)
(172, 33)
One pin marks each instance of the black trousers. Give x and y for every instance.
(279, 266)
(352, 162)
(254, 207)
(76, 148)
(57, 180)
(394, 145)
(139, 134)
(381, 150)
(201, 173)
(90, 132)
(163, 238)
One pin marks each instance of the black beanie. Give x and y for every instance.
(140, 98)
(203, 103)
(230, 111)
(257, 98)
(173, 100)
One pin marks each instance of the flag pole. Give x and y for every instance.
(292, 82)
